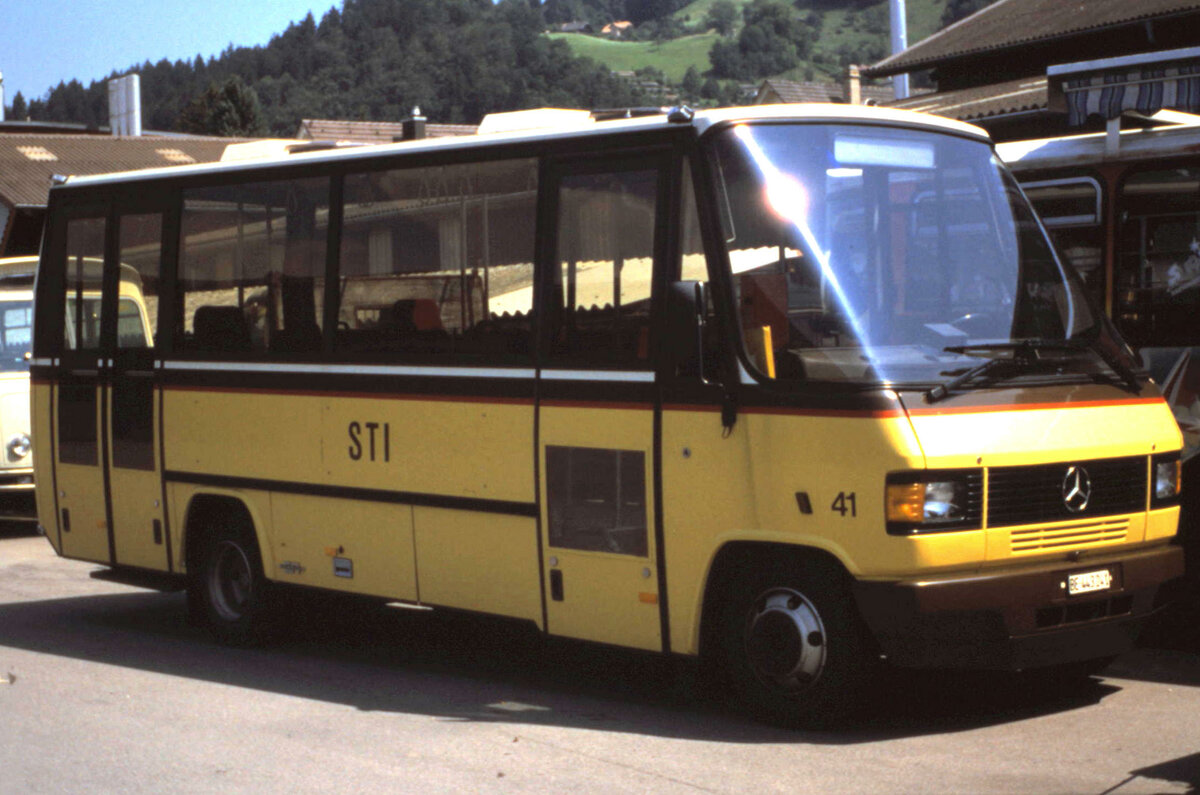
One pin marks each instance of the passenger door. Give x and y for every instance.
(109, 487)
(80, 396)
(597, 400)
(134, 464)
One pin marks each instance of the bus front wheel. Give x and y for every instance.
(229, 592)
(794, 647)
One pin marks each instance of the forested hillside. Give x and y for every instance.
(460, 59)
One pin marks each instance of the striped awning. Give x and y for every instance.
(1145, 90)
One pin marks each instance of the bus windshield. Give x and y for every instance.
(17, 340)
(880, 255)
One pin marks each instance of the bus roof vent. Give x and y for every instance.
(681, 114)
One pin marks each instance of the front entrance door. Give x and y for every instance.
(597, 402)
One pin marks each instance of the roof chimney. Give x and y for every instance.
(1, 96)
(853, 85)
(413, 127)
(125, 105)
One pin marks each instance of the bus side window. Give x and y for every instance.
(259, 250)
(438, 260)
(85, 259)
(605, 262)
(140, 260)
(1157, 290)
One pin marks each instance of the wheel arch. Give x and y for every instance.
(204, 512)
(736, 557)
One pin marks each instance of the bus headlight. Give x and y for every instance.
(1168, 475)
(924, 502)
(19, 447)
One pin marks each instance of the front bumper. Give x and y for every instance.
(1016, 620)
(16, 494)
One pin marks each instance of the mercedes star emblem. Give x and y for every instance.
(1076, 489)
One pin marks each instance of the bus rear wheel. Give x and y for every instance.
(795, 650)
(229, 592)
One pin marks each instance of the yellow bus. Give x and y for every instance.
(793, 389)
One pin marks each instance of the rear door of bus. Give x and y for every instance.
(597, 398)
(108, 468)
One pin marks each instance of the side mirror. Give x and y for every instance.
(687, 306)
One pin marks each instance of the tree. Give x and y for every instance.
(19, 110)
(773, 40)
(231, 110)
(961, 9)
(721, 17)
(692, 84)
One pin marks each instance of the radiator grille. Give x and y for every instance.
(1034, 494)
(1075, 534)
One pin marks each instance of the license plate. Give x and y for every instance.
(1089, 581)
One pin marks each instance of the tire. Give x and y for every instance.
(795, 651)
(229, 594)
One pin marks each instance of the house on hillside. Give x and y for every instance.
(32, 153)
(617, 30)
(1041, 68)
(773, 91)
(575, 27)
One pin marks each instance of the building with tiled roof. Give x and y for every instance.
(373, 132)
(773, 91)
(30, 157)
(1036, 68)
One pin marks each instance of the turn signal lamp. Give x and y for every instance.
(923, 502)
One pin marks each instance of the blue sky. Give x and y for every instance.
(43, 42)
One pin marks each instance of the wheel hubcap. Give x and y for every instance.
(785, 640)
(230, 581)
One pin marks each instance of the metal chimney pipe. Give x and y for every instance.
(1, 96)
(899, 44)
(133, 104)
(115, 98)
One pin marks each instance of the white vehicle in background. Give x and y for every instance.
(16, 325)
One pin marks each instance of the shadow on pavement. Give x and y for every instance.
(13, 529)
(472, 668)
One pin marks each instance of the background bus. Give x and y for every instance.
(16, 345)
(1128, 219)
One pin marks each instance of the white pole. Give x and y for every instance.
(899, 44)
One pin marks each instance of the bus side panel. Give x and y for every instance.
(482, 562)
(259, 435)
(453, 447)
(813, 481)
(348, 545)
(706, 493)
(43, 460)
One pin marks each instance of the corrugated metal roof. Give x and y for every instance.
(29, 160)
(372, 132)
(972, 104)
(1010, 23)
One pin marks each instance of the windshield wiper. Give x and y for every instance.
(1025, 353)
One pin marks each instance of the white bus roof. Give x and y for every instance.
(702, 121)
(1086, 150)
